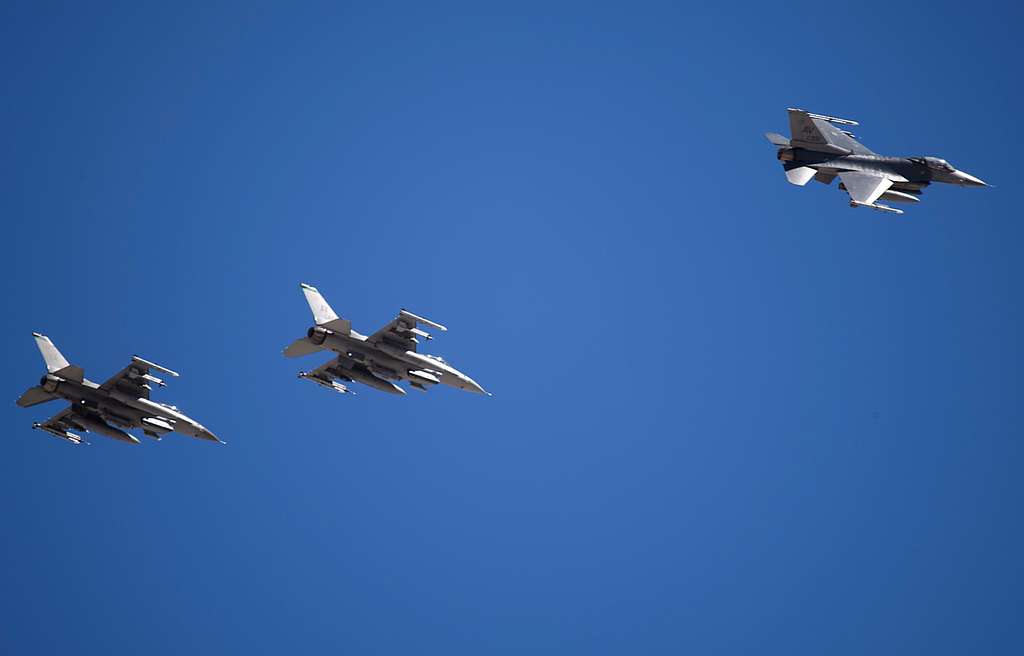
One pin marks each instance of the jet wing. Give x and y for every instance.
(329, 371)
(328, 374)
(403, 330)
(60, 425)
(864, 188)
(61, 421)
(134, 379)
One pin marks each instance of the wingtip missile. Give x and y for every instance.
(876, 206)
(74, 438)
(424, 321)
(152, 365)
(326, 384)
(824, 117)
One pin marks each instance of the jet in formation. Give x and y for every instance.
(821, 151)
(122, 401)
(377, 360)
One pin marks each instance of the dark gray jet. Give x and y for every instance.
(123, 401)
(377, 360)
(821, 151)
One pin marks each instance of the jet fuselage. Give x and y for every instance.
(389, 362)
(122, 409)
(921, 170)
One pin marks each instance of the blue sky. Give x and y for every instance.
(730, 415)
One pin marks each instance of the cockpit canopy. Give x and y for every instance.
(936, 163)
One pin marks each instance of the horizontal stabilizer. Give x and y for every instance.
(35, 396)
(777, 139)
(54, 360)
(300, 347)
(800, 175)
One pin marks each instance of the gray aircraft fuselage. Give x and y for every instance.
(917, 171)
(388, 363)
(120, 409)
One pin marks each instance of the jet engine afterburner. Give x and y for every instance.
(317, 335)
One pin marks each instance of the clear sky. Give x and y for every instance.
(730, 415)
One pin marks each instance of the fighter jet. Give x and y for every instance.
(378, 360)
(821, 151)
(123, 401)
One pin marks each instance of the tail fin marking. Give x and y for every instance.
(323, 314)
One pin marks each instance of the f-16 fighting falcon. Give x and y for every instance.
(123, 401)
(821, 151)
(377, 360)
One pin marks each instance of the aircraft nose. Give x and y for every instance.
(203, 433)
(207, 435)
(199, 431)
(969, 180)
(471, 385)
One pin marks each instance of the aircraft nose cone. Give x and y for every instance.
(205, 434)
(471, 385)
(198, 431)
(969, 180)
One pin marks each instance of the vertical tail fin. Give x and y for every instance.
(817, 132)
(323, 314)
(55, 362)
